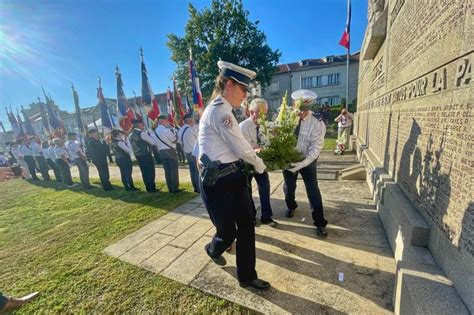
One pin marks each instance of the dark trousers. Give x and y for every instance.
(193, 171)
(181, 155)
(30, 162)
(83, 172)
(170, 165)
(126, 168)
(147, 167)
(156, 155)
(229, 206)
(309, 175)
(43, 167)
(54, 166)
(263, 182)
(65, 172)
(104, 176)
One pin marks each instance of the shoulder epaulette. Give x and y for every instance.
(218, 101)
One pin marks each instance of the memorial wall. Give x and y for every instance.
(415, 119)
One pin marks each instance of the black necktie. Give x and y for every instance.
(259, 141)
(297, 130)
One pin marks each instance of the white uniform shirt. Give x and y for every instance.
(60, 152)
(125, 145)
(36, 149)
(145, 136)
(73, 148)
(46, 153)
(52, 153)
(167, 136)
(249, 130)
(189, 139)
(311, 138)
(24, 150)
(220, 137)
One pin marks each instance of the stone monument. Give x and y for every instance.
(414, 129)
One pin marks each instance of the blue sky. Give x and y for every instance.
(53, 43)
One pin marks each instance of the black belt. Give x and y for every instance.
(229, 168)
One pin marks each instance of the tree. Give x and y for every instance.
(224, 32)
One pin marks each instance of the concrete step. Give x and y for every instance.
(354, 172)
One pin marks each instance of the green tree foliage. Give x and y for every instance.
(224, 32)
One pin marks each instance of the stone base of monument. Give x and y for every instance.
(421, 286)
(356, 172)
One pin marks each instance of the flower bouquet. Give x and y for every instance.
(278, 137)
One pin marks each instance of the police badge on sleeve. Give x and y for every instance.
(227, 121)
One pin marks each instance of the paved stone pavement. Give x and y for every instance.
(351, 271)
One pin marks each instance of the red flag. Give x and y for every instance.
(345, 39)
(148, 98)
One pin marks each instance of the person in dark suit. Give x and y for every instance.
(99, 150)
(122, 150)
(141, 145)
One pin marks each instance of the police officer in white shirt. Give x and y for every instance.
(50, 160)
(167, 148)
(79, 158)
(141, 145)
(37, 152)
(187, 136)
(222, 147)
(310, 133)
(251, 131)
(62, 159)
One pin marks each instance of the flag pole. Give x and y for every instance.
(348, 57)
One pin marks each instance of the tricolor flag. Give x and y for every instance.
(13, 122)
(105, 116)
(169, 103)
(124, 113)
(197, 96)
(21, 132)
(81, 124)
(178, 106)
(148, 98)
(28, 127)
(345, 39)
(52, 115)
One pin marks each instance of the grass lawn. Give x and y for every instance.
(329, 144)
(51, 240)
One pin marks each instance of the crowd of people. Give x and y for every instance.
(149, 146)
(218, 151)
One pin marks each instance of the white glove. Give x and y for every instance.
(296, 166)
(259, 166)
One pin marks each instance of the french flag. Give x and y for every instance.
(107, 120)
(197, 96)
(169, 102)
(345, 39)
(148, 98)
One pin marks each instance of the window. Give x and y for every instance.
(329, 100)
(319, 80)
(307, 83)
(333, 79)
(274, 87)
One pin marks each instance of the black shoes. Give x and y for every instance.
(321, 231)
(269, 222)
(290, 213)
(219, 260)
(256, 284)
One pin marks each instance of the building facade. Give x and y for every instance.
(325, 76)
